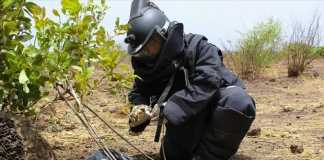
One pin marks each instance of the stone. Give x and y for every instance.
(254, 132)
(296, 149)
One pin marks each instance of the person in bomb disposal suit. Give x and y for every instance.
(206, 107)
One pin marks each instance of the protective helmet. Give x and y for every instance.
(146, 20)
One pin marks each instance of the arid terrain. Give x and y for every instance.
(289, 123)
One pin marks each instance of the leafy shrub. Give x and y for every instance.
(68, 49)
(15, 29)
(256, 50)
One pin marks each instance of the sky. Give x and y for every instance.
(221, 21)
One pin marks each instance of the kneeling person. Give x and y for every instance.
(207, 109)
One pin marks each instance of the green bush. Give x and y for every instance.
(300, 49)
(66, 49)
(15, 28)
(256, 49)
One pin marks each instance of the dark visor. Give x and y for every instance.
(134, 48)
(154, 38)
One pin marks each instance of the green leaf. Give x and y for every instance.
(120, 28)
(71, 6)
(39, 24)
(34, 8)
(117, 22)
(100, 35)
(43, 11)
(90, 71)
(23, 79)
(56, 13)
(7, 3)
(87, 19)
(26, 37)
(11, 25)
(31, 51)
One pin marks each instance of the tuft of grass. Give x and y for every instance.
(300, 49)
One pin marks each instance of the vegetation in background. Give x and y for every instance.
(256, 49)
(302, 49)
(319, 51)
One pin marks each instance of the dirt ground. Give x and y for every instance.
(289, 123)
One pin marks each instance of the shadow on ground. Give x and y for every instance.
(36, 146)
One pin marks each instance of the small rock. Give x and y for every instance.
(254, 132)
(102, 105)
(289, 124)
(88, 146)
(322, 138)
(287, 109)
(105, 110)
(285, 87)
(70, 127)
(111, 109)
(316, 74)
(298, 117)
(123, 149)
(272, 80)
(58, 146)
(296, 148)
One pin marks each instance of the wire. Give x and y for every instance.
(73, 93)
(118, 134)
(102, 145)
(88, 128)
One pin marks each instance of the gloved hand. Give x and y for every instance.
(139, 118)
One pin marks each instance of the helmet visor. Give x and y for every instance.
(152, 47)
